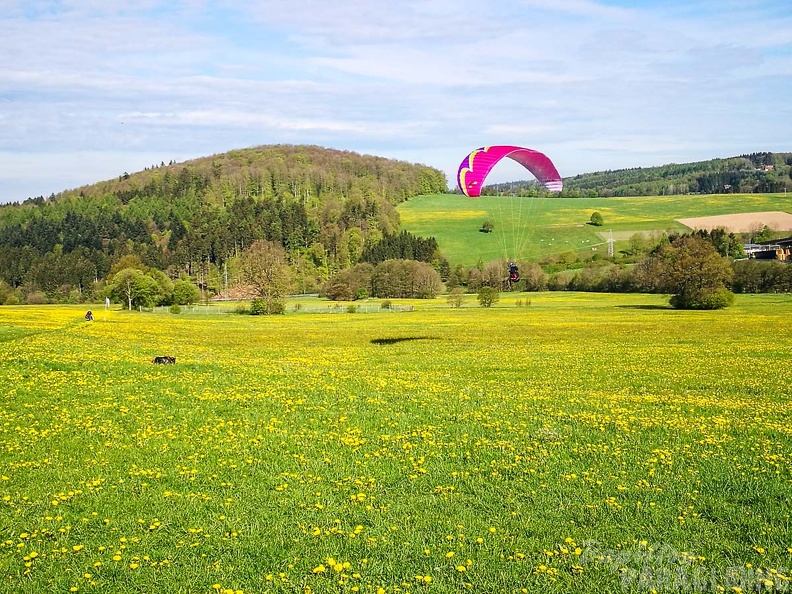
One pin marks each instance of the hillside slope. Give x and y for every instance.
(540, 228)
(191, 217)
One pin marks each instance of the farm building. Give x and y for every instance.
(779, 249)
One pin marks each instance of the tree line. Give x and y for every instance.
(700, 270)
(763, 172)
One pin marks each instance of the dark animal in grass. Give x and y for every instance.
(164, 360)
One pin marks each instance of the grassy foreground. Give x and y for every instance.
(530, 228)
(580, 443)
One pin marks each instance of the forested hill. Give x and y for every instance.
(323, 205)
(754, 173)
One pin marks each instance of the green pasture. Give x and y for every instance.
(558, 442)
(531, 228)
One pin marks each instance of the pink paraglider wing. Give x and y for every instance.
(476, 166)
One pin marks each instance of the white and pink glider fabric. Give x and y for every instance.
(476, 166)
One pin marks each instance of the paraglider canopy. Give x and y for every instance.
(476, 166)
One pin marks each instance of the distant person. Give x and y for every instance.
(514, 273)
(89, 316)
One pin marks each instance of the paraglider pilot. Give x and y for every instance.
(514, 273)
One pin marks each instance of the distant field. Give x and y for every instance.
(529, 228)
(582, 443)
(742, 222)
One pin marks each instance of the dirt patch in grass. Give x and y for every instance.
(743, 222)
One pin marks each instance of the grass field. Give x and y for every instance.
(579, 443)
(530, 228)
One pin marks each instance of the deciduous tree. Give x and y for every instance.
(691, 269)
(265, 268)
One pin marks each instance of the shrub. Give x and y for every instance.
(386, 304)
(264, 307)
(185, 293)
(405, 279)
(175, 308)
(36, 298)
(276, 307)
(456, 297)
(352, 308)
(719, 299)
(487, 296)
(258, 307)
(351, 283)
(241, 309)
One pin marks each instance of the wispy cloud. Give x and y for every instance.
(600, 84)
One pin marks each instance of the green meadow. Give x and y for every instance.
(531, 228)
(558, 442)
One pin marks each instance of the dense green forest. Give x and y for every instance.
(324, 206)
(754, 173)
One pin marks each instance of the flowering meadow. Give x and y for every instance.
(571, 443)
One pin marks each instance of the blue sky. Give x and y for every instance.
(90, 89)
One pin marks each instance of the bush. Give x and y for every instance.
(456, 297)
(277, 307)
(487, 296)
(352, 308)
(258, 307)
(405, 279)
(351, 283)
(36, 298)
(261, 307)
(175, 308)
(386, 304)
(241, 309)
(719, 299)
(185, 293)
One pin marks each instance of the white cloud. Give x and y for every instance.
(599, 85)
